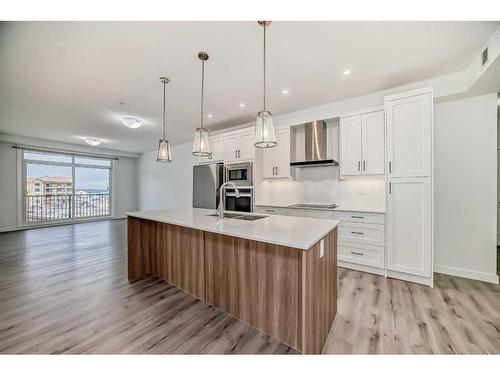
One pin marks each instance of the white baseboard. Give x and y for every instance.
(8, 229)
(55, 224)
(468, 274)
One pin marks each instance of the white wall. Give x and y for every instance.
(125, 177)
(166, 185)
(465, 194)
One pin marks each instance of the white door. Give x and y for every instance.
(409, 226)
(269, 162)
(409, 136)
(231, 147)
(373, 141)
(217, 148)
(283, 153)
(246, 149)
(350, 147)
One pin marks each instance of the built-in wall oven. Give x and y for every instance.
(239, 174)
(243, 203)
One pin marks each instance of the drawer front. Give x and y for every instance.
(270, 210)
(310, 213)
(359, 217)
(361, 254)
(369, 234)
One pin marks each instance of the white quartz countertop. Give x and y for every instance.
(298, 232)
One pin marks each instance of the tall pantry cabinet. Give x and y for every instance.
(408, 143)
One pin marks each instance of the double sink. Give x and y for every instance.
(240, 216)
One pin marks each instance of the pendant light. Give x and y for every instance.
(201, 146)
(163, 155)
(265, 136)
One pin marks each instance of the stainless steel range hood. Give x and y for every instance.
(311, 145)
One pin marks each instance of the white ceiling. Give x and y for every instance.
(65, 80)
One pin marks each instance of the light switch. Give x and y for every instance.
(321, 248)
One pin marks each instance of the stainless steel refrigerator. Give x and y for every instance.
(207, 179)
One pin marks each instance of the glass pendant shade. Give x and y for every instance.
(163, 155)
(265, 136)
(201, 146)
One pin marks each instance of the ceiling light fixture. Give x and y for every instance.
(265, 135)
(92, 141)
(131, 122)
(163, 154)
(284, 91)
(347, 72)
(242, 105)
(210, 115)
(201, 146)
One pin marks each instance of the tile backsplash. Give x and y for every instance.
(321, 185)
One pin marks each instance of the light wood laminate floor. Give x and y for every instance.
(65, 290)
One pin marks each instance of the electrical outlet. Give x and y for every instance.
(362, 191)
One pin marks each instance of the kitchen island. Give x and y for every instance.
(275, 273)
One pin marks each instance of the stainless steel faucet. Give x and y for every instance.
(220, 209)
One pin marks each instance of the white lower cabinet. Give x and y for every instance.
(271, 210)
(352, 254)
(318, 214)
(409, 229)
(361, 241)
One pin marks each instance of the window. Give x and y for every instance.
(65, 187)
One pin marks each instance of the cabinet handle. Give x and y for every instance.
(276, 171)
(357, 217)
(273, 171)
(357, 233)
(357, 253)
(359, 165)
(239, 153)
(236, 154)
(364, 165)
(269, 210)
(390, 167)
(390, 187)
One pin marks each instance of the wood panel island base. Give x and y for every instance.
(240, 267)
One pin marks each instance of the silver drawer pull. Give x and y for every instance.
(269, 210)
(357, 233)
(357, 217)
(356, 253)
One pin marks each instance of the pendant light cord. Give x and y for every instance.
(264, 66)
(164, 115)
(202, 90)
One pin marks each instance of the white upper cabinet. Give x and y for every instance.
(409, 135)
(217, 148)
(276, 160)
(362, 144)
(350, 147)
(409, 226)
(372, 133)
(239, 146)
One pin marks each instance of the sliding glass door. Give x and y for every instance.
(60, 187)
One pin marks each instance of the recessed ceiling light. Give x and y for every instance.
(92, 141)
(131, 122)
(347, 72)
(284, 91)
(242, 105)
(210, 115)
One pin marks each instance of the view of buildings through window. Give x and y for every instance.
(63, 187)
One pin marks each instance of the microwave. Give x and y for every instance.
(240, 174)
